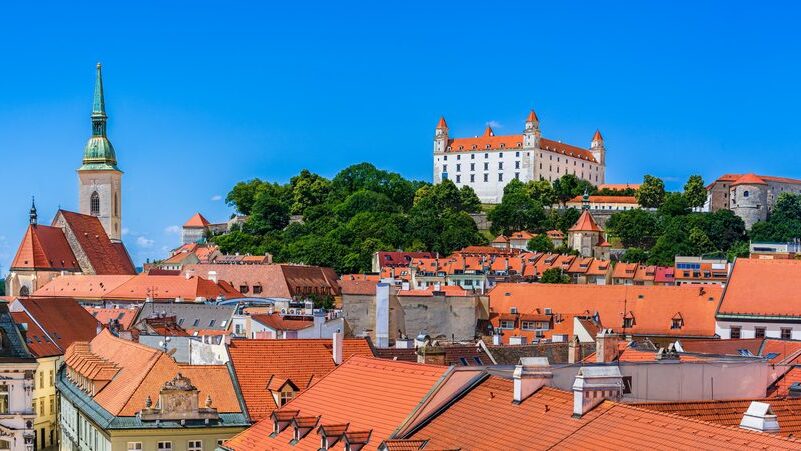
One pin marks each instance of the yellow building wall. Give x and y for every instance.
(149, 439)
(45, 401)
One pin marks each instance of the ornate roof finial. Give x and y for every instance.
(208, 401)
(148, 402)
(99, 105)
(33, 215)
(585, 200)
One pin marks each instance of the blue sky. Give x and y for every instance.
(203, 94)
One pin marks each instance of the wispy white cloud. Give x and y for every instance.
(173, 230)
(144, 242)
(216, 197)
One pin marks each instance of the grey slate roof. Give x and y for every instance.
(190, 315)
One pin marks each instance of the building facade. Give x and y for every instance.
(749, 196)
(488, 162)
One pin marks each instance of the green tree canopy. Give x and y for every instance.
(554, 275)
(540, 243)
(517, 211)
(651, 193)
(695, 191)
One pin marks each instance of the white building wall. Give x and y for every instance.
(78, 433)
(748, 329)
(108, 185)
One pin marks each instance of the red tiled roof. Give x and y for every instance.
(618, 186)
(749, 179)
(139, 371)
(653, 307)
(368, 394)
(276, 281)
(171, 287)
(532, 117)
(447, 290)
(277, 322)
(197, 221)
(363, 287)
(81, 286)
(746, 293)
(400, 258)
(63, 320)
(45, 247)
(781, 386)
(606, 200)
(764, 178)
(597, 136)
(303, 361)
(489, 141)
(547, 416)
(39, 343)
(105, 257)
(585, 223)
(442, 123)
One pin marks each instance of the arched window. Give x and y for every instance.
(116, 206)
(94, 204)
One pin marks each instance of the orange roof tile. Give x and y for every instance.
(62, 321)
(653, 307)
(781, 386)
(618, 186)
(532, 117)
(749, 179)
(746, 295)
(585, 223)
(171, 287)
(196, 221)
(303, 361)
(597, 136)
(81, 286)
(105, 257)
(765, 178)
(45, 247)
(442, 123)
(276, 281)
(369, 394)
(606, 200)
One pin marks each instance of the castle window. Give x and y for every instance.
(446, 157)
(475, 147)
(94, 204)
(458, 157)
(486, 177)
(745, 193)
(458, 179)
(503, 146)
(517, 175)
(486, 155)
(23, 291)
(489, 147)
(500, 155)
(500, 165)
(517, 165)
(472, 156)
(472, 166)
(517, 154)
(472, 178)
(500, 177)
(486, 166)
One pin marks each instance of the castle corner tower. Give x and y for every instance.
(99, 178)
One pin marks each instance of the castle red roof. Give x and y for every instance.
(532, 117)
(442, 123)
(585, 223)
(749, 179)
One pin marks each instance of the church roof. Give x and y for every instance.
(45, 248)
(586, 223)
(197, 221)
(104, 256)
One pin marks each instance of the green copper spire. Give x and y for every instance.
(99, 154)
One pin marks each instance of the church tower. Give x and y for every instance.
(99, 178)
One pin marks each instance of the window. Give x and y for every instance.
(52, 404)
(472, 178)
(243, 289)
(745, 193)
(164, 446)
(51, 378)
(486, 166)
(194, 445)
(676, 324)
(195, 323)
(486, 155)
(287, 396)
(458, 167)
(41, 407)
(24, 291)
(500, 177)
(41, 379)
(477, 359)
(759, 332)
(734, 332)
(500, 165)
(134, 446)
(517, 175)
(180, 321)
(445, 158)
(116, 206)
(220, 442)
(256, 289)
(517, 154)
(211, 323)
(486, 179)
(458, 157)
(626, 385)
(507, 324)
(458, 179)
(463, 361)
(517, 165)
(472, 156)
(787, 333)
(628, 322)
(444, 168)
(529, 325)
(94, 204)
(472, 166)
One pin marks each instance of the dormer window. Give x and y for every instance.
(489, 147)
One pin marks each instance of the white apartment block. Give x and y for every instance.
(488, 162)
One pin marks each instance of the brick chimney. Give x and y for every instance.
(593, 385)
(760, 417)
(529, 376)
(431, 354)
(606, 346)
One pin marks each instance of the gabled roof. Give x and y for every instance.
(189, 315)
(196, 221)
(304, 361)
(276, 281)
(585, 223)
(125, 316)
(81, 286)
(45, 248)
(105, 257)
(605, 200)
(61, 321)
(141, 371)
(368, 394)
(171, 287)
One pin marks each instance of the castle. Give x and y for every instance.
(488, 162)
(750, 196)
(88, 242)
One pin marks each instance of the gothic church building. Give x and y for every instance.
(488, 162)
(88, 242)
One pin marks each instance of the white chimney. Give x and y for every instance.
(382, 315)
(606, 343)
(593, 385)
(760, 417)
(497, 339)
(213, 276)
(404, 343)
(337, 347)
(517, 340)
(529, 376)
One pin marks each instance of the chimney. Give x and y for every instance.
(593, 385)
(574, 351)
(213, 276)
(189, 273)
(606, 343)
(529, 376)
(337, 347)
(517, 340)
(404, 343)
(760, 417)
(431, 354)
(497, 338)
(382, 315)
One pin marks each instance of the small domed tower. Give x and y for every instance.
(532, 134)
